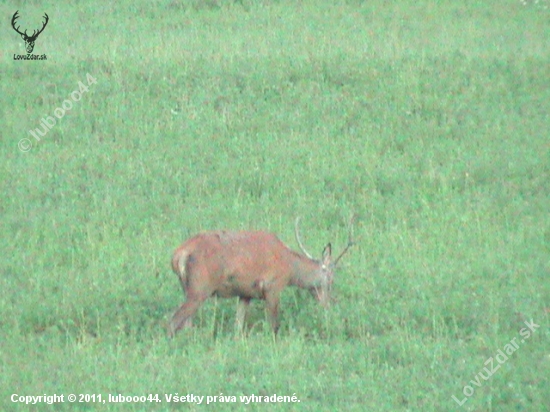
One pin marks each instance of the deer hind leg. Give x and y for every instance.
(183, 318)
(197, 288)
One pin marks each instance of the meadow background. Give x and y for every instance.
(429, 120)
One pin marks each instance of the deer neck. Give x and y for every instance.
(305, 272)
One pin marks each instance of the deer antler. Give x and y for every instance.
(350, 240)
(13, 19)
(35, 35)
(298, 238)
(25, 35)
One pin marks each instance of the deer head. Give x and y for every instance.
(327, 266)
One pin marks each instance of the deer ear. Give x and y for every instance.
(327, 251)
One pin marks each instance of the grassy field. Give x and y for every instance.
(429, 120)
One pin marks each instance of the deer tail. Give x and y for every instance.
(179, 262)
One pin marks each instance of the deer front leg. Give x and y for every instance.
(272, 305)
(242, 309)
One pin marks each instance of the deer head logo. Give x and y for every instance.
(29, 40)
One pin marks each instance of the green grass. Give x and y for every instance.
(428, 120)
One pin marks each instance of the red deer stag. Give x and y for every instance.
(250, 265)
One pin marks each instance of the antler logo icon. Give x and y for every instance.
(29, 40)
